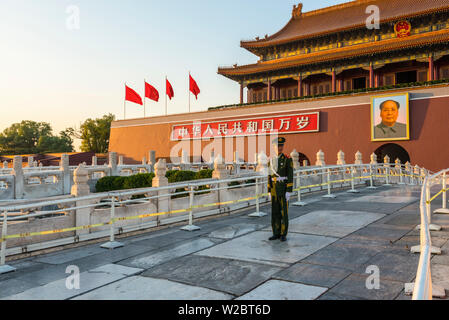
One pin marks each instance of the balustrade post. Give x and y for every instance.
(320, 159)
(152, 160)
(398, 166)
(387, 169)
(113, 163)
(19, 179)
(65, 171)
(4, 268)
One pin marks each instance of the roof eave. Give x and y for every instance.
(254, 45)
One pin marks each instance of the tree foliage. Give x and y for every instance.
(94, 134)
(30, 137)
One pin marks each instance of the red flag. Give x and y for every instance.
(194, 87)
(151, 92)
(169, 89)
(132, 96)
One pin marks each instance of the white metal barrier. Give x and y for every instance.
(423, 288)
(223, 193)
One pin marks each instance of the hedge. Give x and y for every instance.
(112, 183)
(144, 180)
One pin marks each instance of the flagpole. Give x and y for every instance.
(188, 92)
(144, 94)
(124, 105)
(165, 95)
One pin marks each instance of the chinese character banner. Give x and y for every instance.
(305, 122)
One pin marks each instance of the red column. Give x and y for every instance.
(436, 73)
(300, 86)
(307, 89)
(333, 81)
(241, 93)
(340, 85)
(431, 68)
(269, 90)
(376, 79)
(371, 76)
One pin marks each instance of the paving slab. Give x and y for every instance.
(348, 256)
(355, 285)
(441, 259)
(144, 288)
(255, 247)
(57, 290)
(396, 267)
(283, 290)
(405, 219)
(383, 199)
(69, 255)
(332, 223)
(231, 276)
(376, 207)
(380, 232)
(14, 286)
(440, 275)
(233, 231)
(43, 275)
(311, 274)
(334, 296)
(153, 258)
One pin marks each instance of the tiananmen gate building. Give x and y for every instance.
(330, 80)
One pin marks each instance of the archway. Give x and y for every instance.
(394, 151)
(303, 157)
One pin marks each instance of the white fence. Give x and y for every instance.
(423, 288)
(34, 181)
(47, 224)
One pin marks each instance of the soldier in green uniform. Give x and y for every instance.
(280, 184)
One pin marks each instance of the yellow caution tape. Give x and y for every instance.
(141, 216)
(435, 196)
(147, 215)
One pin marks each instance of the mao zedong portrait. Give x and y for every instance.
(389, 127)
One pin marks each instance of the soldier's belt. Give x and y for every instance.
(279, 179)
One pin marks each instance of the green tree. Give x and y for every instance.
(63, 143)
(34, 137)
(94, 134)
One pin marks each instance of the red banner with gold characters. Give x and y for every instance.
(291, 123)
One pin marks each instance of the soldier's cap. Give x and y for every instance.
(279, 141)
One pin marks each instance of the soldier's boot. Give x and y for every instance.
(273, 238)
(283, 238)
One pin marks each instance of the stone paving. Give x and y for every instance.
(330, 245)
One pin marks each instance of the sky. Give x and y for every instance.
(60, 69)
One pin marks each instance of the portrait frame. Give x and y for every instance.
(404, 114)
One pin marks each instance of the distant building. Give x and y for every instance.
(53, 159)
(318, 82)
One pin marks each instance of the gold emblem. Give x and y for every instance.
(402, 29)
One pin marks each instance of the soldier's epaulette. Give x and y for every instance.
(287, 156)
